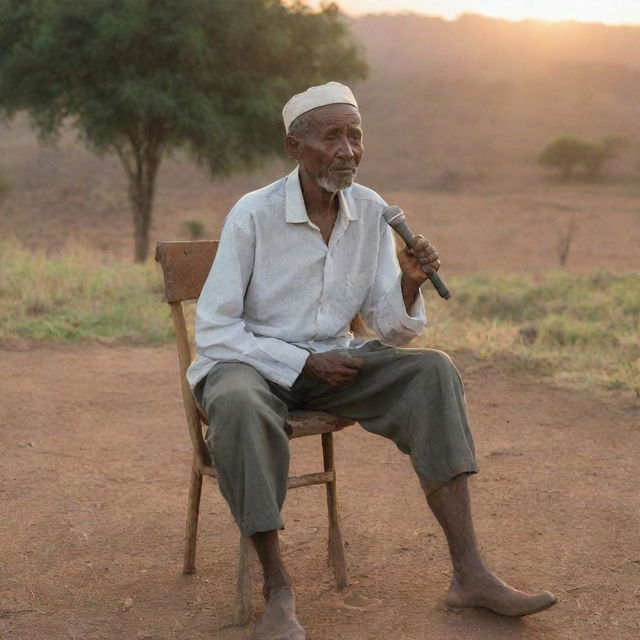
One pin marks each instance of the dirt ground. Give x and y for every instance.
(95, 463)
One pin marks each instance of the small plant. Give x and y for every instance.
(194, 229)
(632, 365)
(565, 239)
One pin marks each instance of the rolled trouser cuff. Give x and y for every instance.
(430, 486)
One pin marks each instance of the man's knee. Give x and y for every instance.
(429, 360)
(239, 403)
(233, 387)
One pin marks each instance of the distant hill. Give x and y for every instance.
(480, 96)
(488, 47)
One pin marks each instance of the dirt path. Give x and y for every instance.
(93, 481)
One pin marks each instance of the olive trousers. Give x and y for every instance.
(412, 396)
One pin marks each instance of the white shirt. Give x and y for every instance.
(276, 292)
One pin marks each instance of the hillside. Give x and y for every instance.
(480, 96)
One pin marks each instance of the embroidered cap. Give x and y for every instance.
(314, 97)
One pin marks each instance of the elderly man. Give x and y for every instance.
(297, 261)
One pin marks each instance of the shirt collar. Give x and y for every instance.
(295, 210)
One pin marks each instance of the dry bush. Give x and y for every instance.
(565, 238)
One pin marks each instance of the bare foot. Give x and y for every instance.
(490, 592)
(279, 622)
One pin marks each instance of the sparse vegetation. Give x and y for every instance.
(582, 331)
(568, 152)
(565, 238)
(78, 296)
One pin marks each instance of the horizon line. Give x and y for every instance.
(477, 14)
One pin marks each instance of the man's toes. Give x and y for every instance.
(537, 603)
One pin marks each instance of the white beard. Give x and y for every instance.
(336, 182)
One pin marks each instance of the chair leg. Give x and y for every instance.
(193, 510)
(242, 604)
(336, 546)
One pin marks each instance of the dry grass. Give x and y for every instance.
(78, 295)
(580, 330)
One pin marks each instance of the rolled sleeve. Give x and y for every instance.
(395, 324)
(384, 310)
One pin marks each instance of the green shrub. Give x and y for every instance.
(194, 229)
(565, 153)
(568, 152)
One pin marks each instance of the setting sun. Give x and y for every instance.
(618, 12)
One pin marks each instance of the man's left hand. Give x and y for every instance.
(419, 261)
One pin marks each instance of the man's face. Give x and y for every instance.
(331, 149)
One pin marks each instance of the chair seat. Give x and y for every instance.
(300, 424)
(304, 423)
(310, 423)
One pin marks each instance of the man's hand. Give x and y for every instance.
(417, 264)
(419, 261)
(333, 369)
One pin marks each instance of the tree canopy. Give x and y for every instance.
(568, 152)
(144, 77)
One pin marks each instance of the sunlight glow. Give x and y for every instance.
(613, 12)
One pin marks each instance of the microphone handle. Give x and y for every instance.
(405, 233)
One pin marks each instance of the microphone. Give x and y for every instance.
(394, 217)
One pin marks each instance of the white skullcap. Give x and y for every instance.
(314, 97)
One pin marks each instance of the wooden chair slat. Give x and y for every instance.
(324, 477)
(186, 266)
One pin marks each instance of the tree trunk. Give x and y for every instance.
(141, 198)
(141, 159)
(142, 183)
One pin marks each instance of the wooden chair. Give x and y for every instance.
(185, 266)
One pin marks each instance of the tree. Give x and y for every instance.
(567, 153)
(142, 78)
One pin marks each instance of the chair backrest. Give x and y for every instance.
(185, 267)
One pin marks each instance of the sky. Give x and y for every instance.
(606, 11)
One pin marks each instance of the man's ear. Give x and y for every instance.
(293, 148)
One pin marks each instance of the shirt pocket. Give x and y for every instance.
(361, 280)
